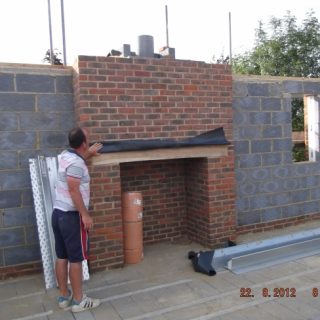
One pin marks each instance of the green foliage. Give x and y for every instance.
(286, 50)
(297, 114)
(299, 153)
(56, 59)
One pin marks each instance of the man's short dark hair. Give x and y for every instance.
(76, 137)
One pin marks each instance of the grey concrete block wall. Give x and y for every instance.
(270, 186)
(36, 112)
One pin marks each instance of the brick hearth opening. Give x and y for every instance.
(184, 194)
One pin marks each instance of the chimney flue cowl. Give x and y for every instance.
(146, 46)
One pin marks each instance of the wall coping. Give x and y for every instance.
(35, 69)
(249, 77)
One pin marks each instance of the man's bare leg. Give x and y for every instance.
(75, 274)
(62, 276)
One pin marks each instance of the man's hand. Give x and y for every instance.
(93, 150)
(87, 221)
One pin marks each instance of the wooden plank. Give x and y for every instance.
(213, 151)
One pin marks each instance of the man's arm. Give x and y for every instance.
(74, 189)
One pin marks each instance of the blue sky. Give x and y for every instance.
(197, 29)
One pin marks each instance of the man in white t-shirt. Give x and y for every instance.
(71, 220)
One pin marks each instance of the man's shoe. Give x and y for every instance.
(64, 302)
(85, 304)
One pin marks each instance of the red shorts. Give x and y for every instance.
(71, 239)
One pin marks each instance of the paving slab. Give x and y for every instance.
(164, 286)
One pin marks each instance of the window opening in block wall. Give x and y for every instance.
(305, 128)
(299, 134)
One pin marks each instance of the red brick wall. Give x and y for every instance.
(162, 184)
(118, 98)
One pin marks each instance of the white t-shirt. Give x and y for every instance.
(73, 165)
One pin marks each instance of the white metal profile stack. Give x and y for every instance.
(43, 173)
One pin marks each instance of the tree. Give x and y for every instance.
(286, 50)
(56, 59)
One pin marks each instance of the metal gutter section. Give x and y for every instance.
(262, 253)
(43, 173)
(267, 258)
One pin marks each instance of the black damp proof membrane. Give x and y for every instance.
(212, 137)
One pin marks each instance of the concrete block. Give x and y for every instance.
(281, 199)
(27, 198)
(271, 159)
(247, 189)
(8, 160)
(241, 147)
(241, 118)
(13, 217)
(300, 195)
(11, 237)
(275, 89)
(270, 187)
(258, 89)
(14, 180)
(39, 121)
(291, 211)
(249, 218)
(34, 83)
(10, 199)
(272, 132)
(249, 161)
(281, 117)
(271, 214)
(313, 181)
(53, 139)
(281, 172)
(310, 207)
(6, 82)
(260, 146)
(64, 84)
(282, 144)
(259, 174)
(23, 254)
(56, 103)
(287, 130)
(247, 103)
(271, 104)
(17, 102)
(287, 104)
(258, 118)
(8, 121)
(303, 169)
(25, 155)
(311, 87)
(67, 121)
(315, 194)
(261, 201)
(242, 175)
(249, 132)
(290, 184)
(239, 89)
(287, 157)
(242, 204)
(293, 86)
(32, 236)
(17, 140)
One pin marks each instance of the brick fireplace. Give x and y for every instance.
(190, 195)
